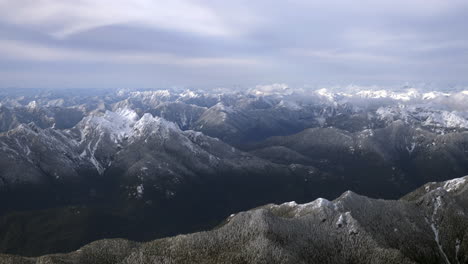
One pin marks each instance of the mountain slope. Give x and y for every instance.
(429, 225)
(396, 158)
(141, 170)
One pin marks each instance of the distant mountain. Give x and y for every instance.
(429, 225)
(392, 159)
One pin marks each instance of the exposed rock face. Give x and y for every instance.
(429, 225)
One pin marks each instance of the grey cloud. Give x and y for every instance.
(294, 41)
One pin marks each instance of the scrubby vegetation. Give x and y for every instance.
(429, 225)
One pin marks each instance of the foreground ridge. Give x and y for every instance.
(428, 225)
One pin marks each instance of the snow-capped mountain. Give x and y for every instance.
(138, 156)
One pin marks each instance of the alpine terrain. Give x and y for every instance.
(80, 166)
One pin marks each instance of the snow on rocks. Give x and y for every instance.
(189, 94)
(148, 125)
(426, 115)
(139, 191)
(455, 184)
(119, 126)
(125, 123)
(32, 105)
(437, 203)
(302, 209)
(418, 104)
(347, 220)
(116, 124)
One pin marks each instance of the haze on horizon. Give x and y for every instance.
(144, 43)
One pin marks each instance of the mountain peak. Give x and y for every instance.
(149, 124)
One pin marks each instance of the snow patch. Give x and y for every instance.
(139, 191)
(290, 204)
(319, 203)
(117, 124)
(148, 125)
(454, 185)
(188, 94)
(32, 105)
(434, 227)
(347, 220)
(341, 221)
(411, 148)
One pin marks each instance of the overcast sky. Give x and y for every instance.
(207, 43)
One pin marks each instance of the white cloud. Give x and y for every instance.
(62, 18)
(271, 89)
(35, 52)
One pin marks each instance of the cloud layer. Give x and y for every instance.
(210, 42)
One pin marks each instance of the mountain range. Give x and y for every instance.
(78, 166)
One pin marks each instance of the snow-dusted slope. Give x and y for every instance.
(430, 225)
(34, 155)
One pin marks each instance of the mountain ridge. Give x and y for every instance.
(422, 227)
